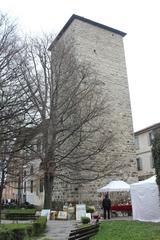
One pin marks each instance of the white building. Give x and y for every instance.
(143, 142)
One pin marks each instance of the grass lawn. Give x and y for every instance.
(128, 230)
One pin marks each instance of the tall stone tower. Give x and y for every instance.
(103, 47)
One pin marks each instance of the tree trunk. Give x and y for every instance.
(20, 195)
(1, 192)
(48, 189)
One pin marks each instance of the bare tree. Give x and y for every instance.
(14, 104)
(69, 106)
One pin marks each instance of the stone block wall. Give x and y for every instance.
(104, 50)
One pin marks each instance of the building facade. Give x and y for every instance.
(26, 184)
(143, 142)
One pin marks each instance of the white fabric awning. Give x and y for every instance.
(115, 186)
(145, 200)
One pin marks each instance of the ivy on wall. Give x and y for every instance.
(156, 157)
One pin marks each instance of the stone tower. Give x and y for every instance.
(103, 47)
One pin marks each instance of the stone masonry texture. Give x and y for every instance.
(105, 51)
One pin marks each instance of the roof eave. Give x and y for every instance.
(74, 16)
(147, 129)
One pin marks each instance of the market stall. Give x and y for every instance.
(145, 200)
(125, 209)
(115, 186)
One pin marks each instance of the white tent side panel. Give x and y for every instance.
(145, 202)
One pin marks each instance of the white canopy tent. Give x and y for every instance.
(115, 186)
(145, 200)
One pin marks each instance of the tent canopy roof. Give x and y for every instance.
(151, 180)
(115, 186)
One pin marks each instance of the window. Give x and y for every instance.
(151, 138)
(24, 187)
(39, 146)
(152, 162)
(31, 170)
(41, 185)
(24, 173)
(31, 187)
(24, 198)
(137, 142)
(139, 164)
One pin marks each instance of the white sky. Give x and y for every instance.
(139, 18)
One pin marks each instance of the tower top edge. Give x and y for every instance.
(96, 24)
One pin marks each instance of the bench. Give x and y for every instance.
(84, 233)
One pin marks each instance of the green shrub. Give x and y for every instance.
(90, 209)
(6, 234)
(39, 225)
(85, 220)
(12, 213)
(21, 211)
(22, 231)
(27, 206)
(19, 233)
(18, 206)
(15, 231)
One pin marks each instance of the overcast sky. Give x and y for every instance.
(140, 19)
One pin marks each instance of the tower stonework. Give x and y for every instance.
(102, 46)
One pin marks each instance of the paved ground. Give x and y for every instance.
(59, 230)
(56, 230)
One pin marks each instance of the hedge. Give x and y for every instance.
(85, 220)
(21, 231)
(39, 225)
(11, 213)
(90, 209)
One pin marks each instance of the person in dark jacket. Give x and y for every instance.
(106, 204)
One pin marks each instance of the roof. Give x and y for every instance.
(96, 24)
(115, 186)
(146, 181)
(147, 129)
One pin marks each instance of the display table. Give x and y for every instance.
(123, 208)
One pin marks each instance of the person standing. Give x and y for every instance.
(106, 204)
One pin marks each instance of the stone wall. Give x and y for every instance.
(104, 50)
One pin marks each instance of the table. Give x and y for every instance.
(123, 208)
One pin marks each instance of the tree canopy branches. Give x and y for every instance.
(57, 98)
